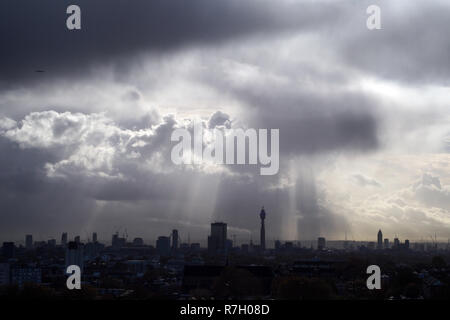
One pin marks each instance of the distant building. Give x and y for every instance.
(136, 267)
(321, 243)
(92, 250)
(184, 246)
(277, 245)
(29, 241)
(64, 239)
(138, 242)
(94, 237)
(407, 244)
(40, 244)
(23, 275)
(200, 276)
(313, 268)
(163, 245)
(75, 254)
(174, 240)
(229, 245)
(386, 243)
(8, 250)
(217, 241)
(118, 242)
(77, 239)
(380, 240)
(4, 274)
(396, 243)
(205, 276)
(289, 245)
(51, 243)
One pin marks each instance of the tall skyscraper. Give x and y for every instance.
(94, 237)
(163, 246)
(29, 241)
(75, 254)
(218, 239)
(380, 240)
(64, 239)
(77, 239)
(262, 215)
(396, 243)
(386, 243)
(174, 240)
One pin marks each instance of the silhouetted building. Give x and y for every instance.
(4, 274)
(313, 268)
(8, 250)
(23, 275)
(228, 245)
(118, 242)
(406, 244)
(380, 240)
(386, 243)
(217, 241)
(277, 245)
(92, 250)
(396, 243)
(64, 239)
(77, 239)
(205, 276)
(174, 240)
(200, 277)
(29, 241)
(163, 246)
(40, 244)
(94, 237)
(75, 254)
(138, 242)
(51, 243)
(262, 215)
(321, 243)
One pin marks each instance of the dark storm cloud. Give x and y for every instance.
(412, 46)
(34, 36)
(311, 127)
(309, 121)
(29, 201)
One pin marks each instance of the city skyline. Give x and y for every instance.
(379, 242)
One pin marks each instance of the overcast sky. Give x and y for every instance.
(363, 117)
